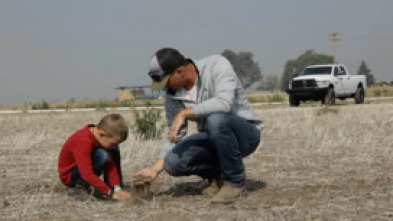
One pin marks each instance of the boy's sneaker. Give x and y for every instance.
(81, 184)
(93, 192)
(78, 194)
(228, 194)
(83, 191)
(213, 188)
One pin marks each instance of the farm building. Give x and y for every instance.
(130, 93)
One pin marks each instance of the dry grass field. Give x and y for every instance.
(314, 163)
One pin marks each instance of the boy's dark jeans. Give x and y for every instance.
(216, 153)
(100, 158)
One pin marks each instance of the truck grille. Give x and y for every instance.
(304, 83)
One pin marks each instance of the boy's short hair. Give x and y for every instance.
(114, 125)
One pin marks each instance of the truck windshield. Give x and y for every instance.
(317, 71)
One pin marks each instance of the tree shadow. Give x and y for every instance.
(195, 188)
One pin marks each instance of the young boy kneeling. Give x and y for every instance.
(94, 150)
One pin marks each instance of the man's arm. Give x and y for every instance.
(179, 121)
(224, 87)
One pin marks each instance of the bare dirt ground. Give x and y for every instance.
(313, 163)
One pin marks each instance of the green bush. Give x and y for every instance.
(43, 106)
(147, 124)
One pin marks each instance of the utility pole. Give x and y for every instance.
(334, 39)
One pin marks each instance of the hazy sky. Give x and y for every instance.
(83, 49)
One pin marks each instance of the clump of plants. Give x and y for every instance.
(326, 110)
(148, 124)
(43, 106)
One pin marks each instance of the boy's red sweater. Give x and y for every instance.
(77, 152)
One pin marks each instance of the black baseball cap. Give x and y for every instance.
(162, 65)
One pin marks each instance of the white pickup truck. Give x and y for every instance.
(325, 83)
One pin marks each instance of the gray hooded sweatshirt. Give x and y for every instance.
(218, 91)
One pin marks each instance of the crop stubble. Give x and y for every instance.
(313, 163)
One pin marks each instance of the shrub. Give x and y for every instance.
(43, 106)
(147, 124)
(326, 110)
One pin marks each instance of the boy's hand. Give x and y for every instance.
(122, 195)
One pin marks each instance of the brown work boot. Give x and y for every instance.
(213, 188)
(228, 194)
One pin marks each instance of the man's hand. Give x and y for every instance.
(179, 121)
(149, 174)
(144, 176)
(122, 195)
(176, 125)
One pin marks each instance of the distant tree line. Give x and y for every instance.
(250, 74)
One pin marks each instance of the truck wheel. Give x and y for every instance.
(330, 98)
(293, 100)
(359, 96)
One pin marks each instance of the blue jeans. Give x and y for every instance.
(100, 158)
(216, 153)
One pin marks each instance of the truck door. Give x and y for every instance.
(338, 82)
(345, 79)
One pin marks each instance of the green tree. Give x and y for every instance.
(364, 70)
(245, 67)
(294, 67)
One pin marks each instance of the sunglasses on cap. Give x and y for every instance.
(158, 75)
